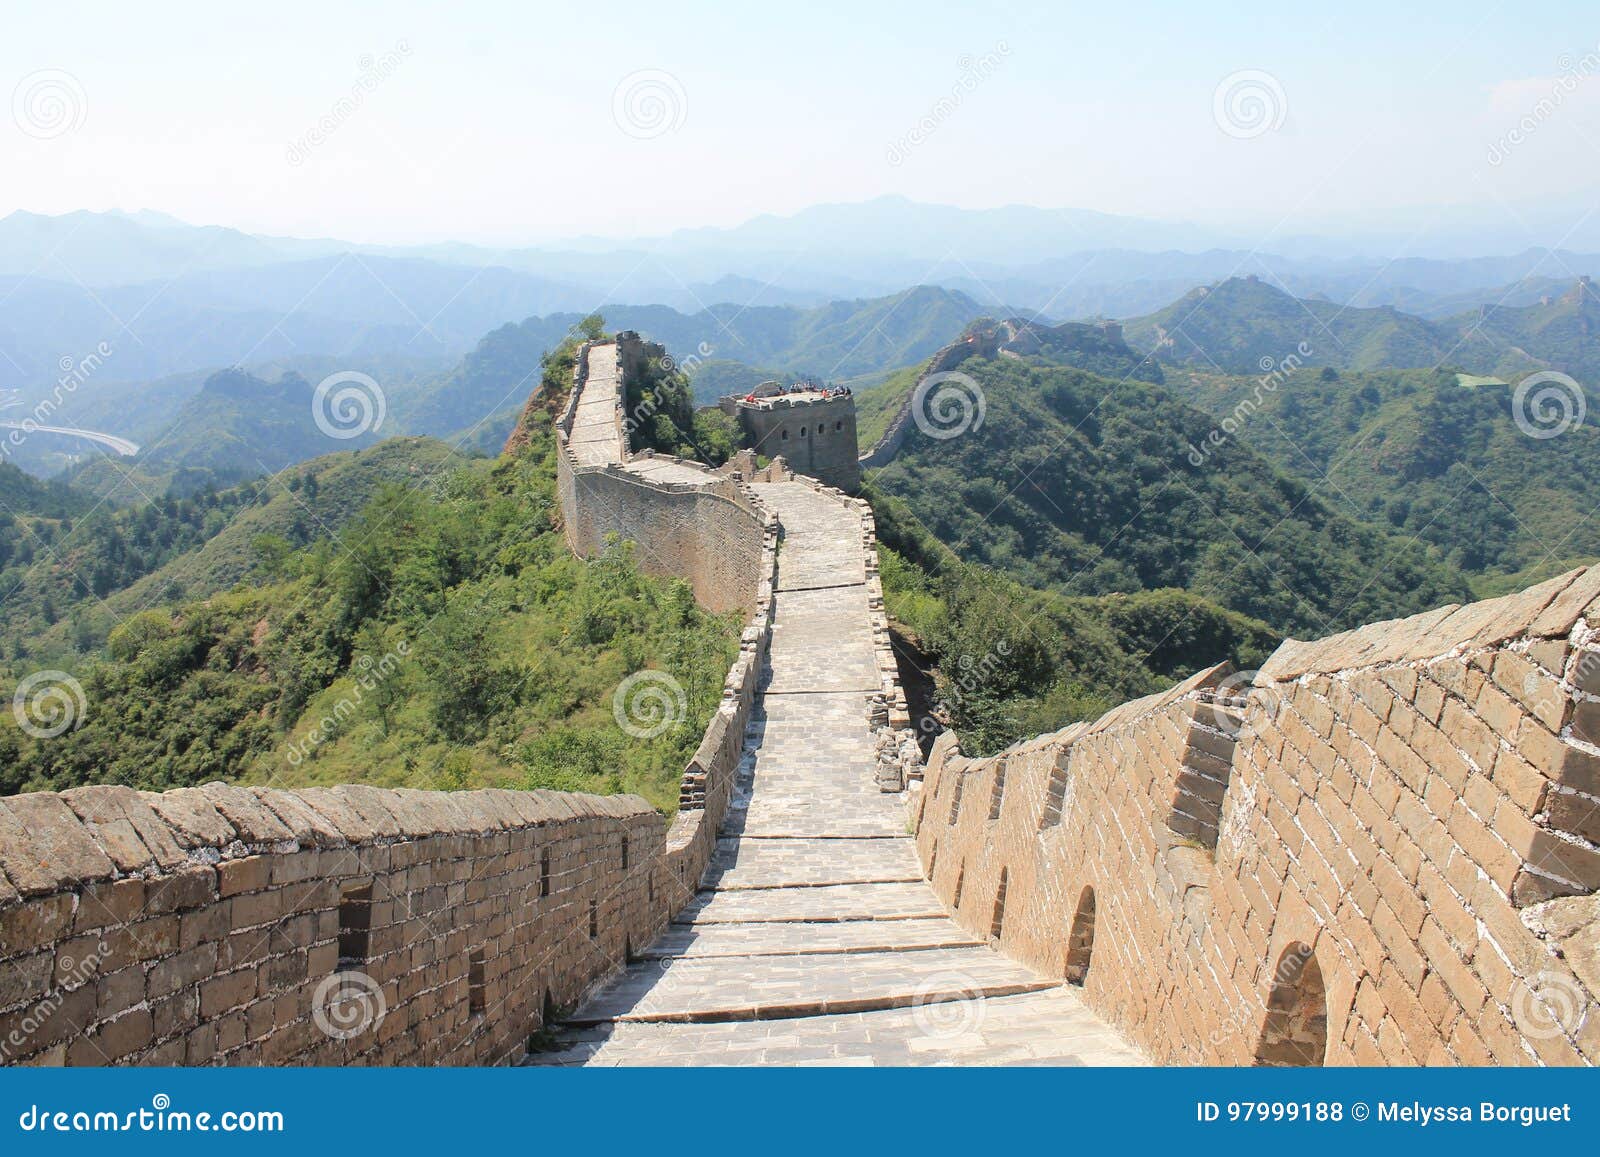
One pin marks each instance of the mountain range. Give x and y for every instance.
(1245, 325)
(171, 298)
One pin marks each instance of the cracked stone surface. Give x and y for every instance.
(813, 938)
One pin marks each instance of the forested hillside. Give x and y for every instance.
(1244, 325)
(1082, 485)
(1430, 455)
(446, 637)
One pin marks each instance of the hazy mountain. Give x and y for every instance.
(1246, 326)
(836, 340)
(114, 248)
(237, 427)
(1561, 330)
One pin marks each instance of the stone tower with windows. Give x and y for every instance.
(812, 427)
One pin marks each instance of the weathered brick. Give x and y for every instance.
(231, 990)
(250, 874)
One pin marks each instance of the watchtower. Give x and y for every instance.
(812, 426)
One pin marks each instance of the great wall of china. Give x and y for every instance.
(1381, 849)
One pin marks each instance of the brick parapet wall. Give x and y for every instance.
(1407, 811)
(709, 533)
(203, 925)
(716, 534)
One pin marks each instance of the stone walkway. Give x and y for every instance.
(596, 438)
(813, 938)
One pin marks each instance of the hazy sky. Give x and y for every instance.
(503, 121)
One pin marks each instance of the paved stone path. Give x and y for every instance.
(813, 938)
(596, 439)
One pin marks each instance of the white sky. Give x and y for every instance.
(497, 124)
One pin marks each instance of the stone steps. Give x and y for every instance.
(773, 938)
(827, 903)
(808, 862)
(706, 990)
(1041, 1028)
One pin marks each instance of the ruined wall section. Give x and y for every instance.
(1395, 827)
(816, 437)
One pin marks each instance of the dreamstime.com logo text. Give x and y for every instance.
(964, 677)
(74, 373)
(369, 674)
(1573, 74)
(1274, 374)
(75, 973)
(160, 1117)
(374, 71)
(972, 71)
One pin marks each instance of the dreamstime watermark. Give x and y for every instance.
(348, 404)
(1549, 1005)
(948, 404)
(649, 103)
(1548, 404)
(947, 1005)
(1274, 373)
(1291, 967)
(49, 703)
(1573, 74)
(649, 703)
(368, 675)
(347, 1004)
(650, 404)
(967, 676)
(74, 372)
(689, 364)
(972, 71)
(373, 71)
(75, 974)
(48, 104)
(1249, 103)
(160, 1117)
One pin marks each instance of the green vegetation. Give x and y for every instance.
(1561, 332)
(1428, 457)
(876, 407)
(1084, 486)
(445, 637)
(1014, 662)
(76, 580)
(1087, 347)
(236, 428)
(1243, 326)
